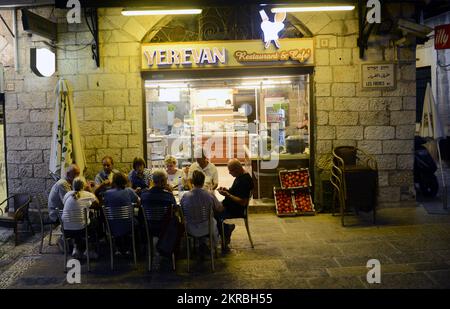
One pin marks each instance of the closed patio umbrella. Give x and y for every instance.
(431, 127)
(66, 146)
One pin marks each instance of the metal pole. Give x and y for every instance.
(444, 187)
(16, 41)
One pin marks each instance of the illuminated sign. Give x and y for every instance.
(226, 54)
(185, 56)
(271, 29)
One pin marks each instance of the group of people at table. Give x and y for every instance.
(151, 187)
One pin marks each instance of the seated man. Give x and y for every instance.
(236, 197)
(59, 190)
(104, 178)
(209, 169)
(193, 202)
(158, 196)
(56, 196)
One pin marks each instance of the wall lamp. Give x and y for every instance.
(138, 12)
(322, 8)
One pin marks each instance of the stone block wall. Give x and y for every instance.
(381, 122)
(108, 100)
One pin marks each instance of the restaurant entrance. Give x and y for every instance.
(254, 119)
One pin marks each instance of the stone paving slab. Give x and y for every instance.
(301, 252)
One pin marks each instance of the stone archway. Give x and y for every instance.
(230, 23)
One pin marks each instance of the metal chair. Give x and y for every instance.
(198, 215)
(119, 222)
(44, 219)
(245, 217)
(20, 215)
(354, 175)
(154, 216)
(78, 216)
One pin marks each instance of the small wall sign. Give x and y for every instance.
(378, 76)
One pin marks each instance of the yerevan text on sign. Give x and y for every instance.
(442, 37)
(378, 75)
(221, 54)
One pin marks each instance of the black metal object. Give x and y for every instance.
(39, 25)
(90, 14)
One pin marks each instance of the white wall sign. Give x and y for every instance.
(378, 75)
(43, 62)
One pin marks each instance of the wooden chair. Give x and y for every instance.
(20, 215)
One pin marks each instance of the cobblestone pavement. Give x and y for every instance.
(296, 252)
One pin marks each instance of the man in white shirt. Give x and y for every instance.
(210, 171)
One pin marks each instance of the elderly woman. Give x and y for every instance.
(77, 200)
(174, 175)
(140, 176)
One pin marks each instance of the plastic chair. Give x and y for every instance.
(245, 217)
(154, 216)
(119, 222)
(197, 215)
(11, 220)
(354, 175)
(44, 219)
(78, 216)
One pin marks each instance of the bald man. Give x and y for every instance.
(59, 189)
(236, 197)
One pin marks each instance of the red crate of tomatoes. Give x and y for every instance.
(283, 202)
(303, 202)
(290, 179)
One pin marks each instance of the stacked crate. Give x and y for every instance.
(294, 196)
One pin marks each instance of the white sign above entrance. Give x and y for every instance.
(226, 54)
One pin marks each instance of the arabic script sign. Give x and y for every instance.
(380, 75)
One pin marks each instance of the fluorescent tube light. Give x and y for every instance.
(138, 12)
(314, 8)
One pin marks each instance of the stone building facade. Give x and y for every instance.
(109, 99)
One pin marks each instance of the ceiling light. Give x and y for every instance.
(314, 8)
(138, 12)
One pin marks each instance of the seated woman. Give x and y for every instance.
(77, 200)
(140, 176)
(174, 175)
(193, 202)
(121, 195)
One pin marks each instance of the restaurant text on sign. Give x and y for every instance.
(186, 56)
(300, 55)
